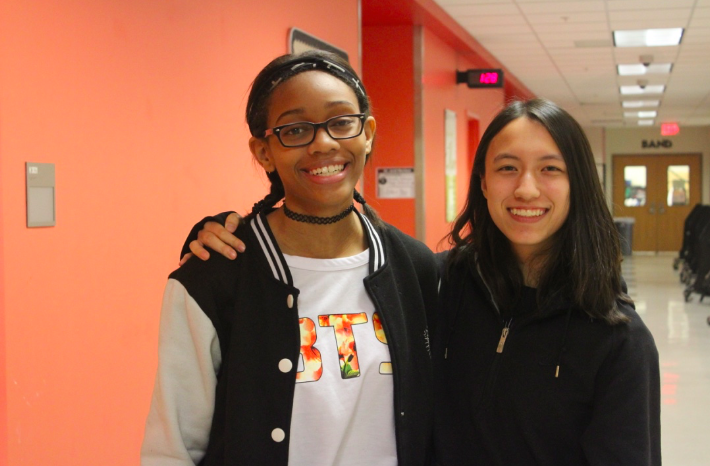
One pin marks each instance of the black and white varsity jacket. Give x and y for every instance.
(238, 414)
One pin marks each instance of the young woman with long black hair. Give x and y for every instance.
(541, 358)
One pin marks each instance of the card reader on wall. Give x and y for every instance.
(40, 194)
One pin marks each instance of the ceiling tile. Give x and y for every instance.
(576, 29)
(506, 39)
(568, 18)
(558, 7)
(460, 11)
(499, 21)
(679, 15)
(632, 24)
(642, 5)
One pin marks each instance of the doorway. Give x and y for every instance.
(658, 191)
(473, 140)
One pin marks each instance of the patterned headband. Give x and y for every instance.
(307, 64)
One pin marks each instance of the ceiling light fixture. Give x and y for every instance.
(645, 123)
(648, 37)
(640, 103)
(641, 114)
(638, 69)
(637, 90)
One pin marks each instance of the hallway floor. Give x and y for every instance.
(683, 339)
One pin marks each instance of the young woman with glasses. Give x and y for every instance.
(539, 355)
(313, 348)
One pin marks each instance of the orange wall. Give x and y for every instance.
(440, 93)
(139, 103)
(388, 74)
(3, 372)
(388, 71)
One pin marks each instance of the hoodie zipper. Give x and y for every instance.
(504, 335)
(493, 375)
(506, 324)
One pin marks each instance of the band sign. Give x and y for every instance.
(651, 144)
(481, 78)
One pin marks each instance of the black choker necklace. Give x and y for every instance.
(317, 220)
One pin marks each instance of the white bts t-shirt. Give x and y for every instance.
(343, 413)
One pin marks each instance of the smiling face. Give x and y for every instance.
(319, 179)
(526, 186)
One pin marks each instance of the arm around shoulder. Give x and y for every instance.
(193, 235)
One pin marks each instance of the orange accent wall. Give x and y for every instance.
(139, 103)
(388, 74)
(441, 93)
(3, 337)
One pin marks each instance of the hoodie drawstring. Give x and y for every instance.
(564, 342)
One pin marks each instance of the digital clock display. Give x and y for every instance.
(482, 78)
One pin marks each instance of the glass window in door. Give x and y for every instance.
(678, 184)
(635, 185)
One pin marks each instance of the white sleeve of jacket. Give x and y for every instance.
(180, 417)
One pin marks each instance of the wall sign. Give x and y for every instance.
(669, 129)
(656, 143)
(41, 204)
(395, 183)
(300, 41)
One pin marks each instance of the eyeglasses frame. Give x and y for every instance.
(276, 130)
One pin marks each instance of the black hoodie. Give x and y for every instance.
(558, 389)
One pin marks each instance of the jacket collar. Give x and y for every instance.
(277, 263)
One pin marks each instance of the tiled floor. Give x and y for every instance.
(683, 339)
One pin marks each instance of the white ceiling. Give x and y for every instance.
(563, 50)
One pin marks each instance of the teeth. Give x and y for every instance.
(327, 171)
(527, 212)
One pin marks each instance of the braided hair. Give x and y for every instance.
(276, 73)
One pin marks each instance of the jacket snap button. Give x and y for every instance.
(285, 365)
(289, 301)
(278, 435)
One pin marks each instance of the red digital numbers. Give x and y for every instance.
(488, 78)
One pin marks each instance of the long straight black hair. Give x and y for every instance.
(583, 261)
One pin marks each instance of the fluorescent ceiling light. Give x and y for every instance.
(648, 37)
(645, 122)
(637, 90)
(642, 114)
(639, 69)
(640, 103)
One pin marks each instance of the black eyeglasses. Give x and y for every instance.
(303, 133)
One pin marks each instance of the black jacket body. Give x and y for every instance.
(248, 302)
(509, 408)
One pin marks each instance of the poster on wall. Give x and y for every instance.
(300, 41)
(450, 160)
(395, 183)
